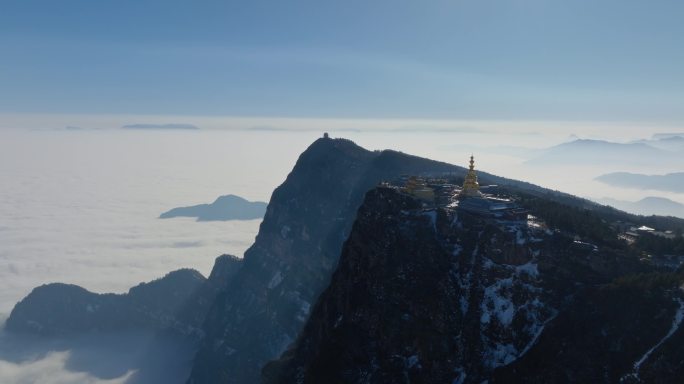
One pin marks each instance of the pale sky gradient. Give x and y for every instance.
(614, 60)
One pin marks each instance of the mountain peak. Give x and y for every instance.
(408, 275)
(228, 207)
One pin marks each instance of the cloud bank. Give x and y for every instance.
(175, 126)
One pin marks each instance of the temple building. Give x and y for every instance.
(472, 200)
(418, 188)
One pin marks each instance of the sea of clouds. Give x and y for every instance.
(82, 207)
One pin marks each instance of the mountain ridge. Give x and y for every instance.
(670, 182)
(175, 303)
(282, 263)
(259, 310)
(589, 151)
(650, 205)
(439, 295)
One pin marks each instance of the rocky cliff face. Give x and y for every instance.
(297, 248)
(628, 331)
(440, 296)
(308, 218)
(176, 303)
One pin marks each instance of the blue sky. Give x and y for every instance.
(478, 59)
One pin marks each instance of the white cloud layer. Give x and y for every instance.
(50, 370)
(82, 207)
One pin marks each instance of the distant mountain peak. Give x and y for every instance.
(598, 142)
(665, 136)
(594, 151)
(671, 182)
(228, 207)
(649, 205)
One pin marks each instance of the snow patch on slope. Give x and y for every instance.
(275, 280)
(496, 303)
(530, 269)
(432, 215)
(676, 322)
(513, 314)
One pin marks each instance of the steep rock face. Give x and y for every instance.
(438, 296)
(628, 331)
(298, 245)
(195, 309)
(299, 242)
(176, 303)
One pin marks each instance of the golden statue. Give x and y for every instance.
(471, 188)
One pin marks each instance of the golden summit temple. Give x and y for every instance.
(469, 198)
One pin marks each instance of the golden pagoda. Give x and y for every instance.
(471, 188)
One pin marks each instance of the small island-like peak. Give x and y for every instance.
(228, 207)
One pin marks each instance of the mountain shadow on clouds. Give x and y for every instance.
(133, 357)
(229, 207)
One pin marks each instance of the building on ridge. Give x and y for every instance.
(471, 199)
(418, 188)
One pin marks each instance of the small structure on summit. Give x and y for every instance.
(418, 188)
(471, 188)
